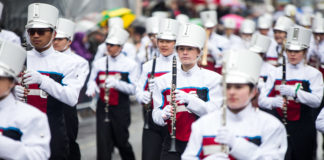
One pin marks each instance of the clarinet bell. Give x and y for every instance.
(173, 146)
(106, 120)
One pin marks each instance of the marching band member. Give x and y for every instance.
(246, 30)
(215, 43)
(24, 130)
(249, 133)
(293, 91)
(230, 26)
(280, 33)
(50, 76)
(196, 94)
(113, 76)
(264, 26)
(260, 45)
(61, 43)
(153, 135)
(148, 50)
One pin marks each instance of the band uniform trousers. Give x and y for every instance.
(180, 147)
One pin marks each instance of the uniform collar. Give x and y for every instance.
(67, 51)
(301, 64)
(167, 58)
(246, 112)
(190, 72)
(7, 102)
(46, 52)
(118, 57)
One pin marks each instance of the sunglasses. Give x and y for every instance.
(109, 44)
(39, 31)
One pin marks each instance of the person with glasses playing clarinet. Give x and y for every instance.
(50, 75)
(113, 77)
(24, 130)
(293, 91)
(153, 135)
(196, 92)
(61, 43)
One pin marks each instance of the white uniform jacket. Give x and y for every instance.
(128, 50)
(259, 135)
(24, 131)
(62, 80)
(266, 68)
(120, 67)
(309, 95)
(163, 65)
(146, 53)
(204, 84)
(82, 68)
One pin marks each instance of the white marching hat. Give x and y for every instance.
(306, 20)
(264, 22)
(191, 35)
(160, 14)
(318, 25)
(283, 24)
(117, 36)
(65, 29)
(260, 43)
(242, 66)
(12, 58)
(290, 10)
(209, 18)
(182, 18)
(229, 23)
(168, 29)
(42, 15)
(298, 38)
(152, 25)
(115, 22)
(247, 26)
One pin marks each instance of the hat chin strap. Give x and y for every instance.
(50, 42)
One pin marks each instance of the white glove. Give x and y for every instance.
(92, 88)
(224, 136)
(167, 112)
(151, 84)
(33, 77)
(287, 90)
(20, 92)
(277, 102)
(111, 82)
(182, 97)
(146, 97)
(217, 156)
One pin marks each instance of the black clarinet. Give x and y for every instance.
(147, 107)
(283, 82)
(174, 106)
(106, 97)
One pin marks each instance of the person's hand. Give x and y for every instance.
(146, 97)
(151, 84)
(287, 90)
(277, 102)
(217, 156)
(92, 89)
(182, 97)
(111, 82)
(224, 136)
(167, 112)
(32, 77)
(20, 92)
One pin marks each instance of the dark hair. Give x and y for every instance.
(139, 29)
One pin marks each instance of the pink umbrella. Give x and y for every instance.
(238, 19)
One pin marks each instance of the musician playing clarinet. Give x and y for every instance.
(294, 101)
(153, 135)
(113, 77)
(197, 91)
(248, 133)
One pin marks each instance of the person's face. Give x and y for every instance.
(137, 38)
(246, 37)
(238, 96)
(153, 39)
(61, 44)
(295, 57)
(264, 31)
(166, 47)
(40, 37)
(6, 85)
(229, 31)
(279, 36)
(319, 37)
(188, 55)
(113, 50)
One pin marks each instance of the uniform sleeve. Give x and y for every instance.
(200, 107)
(193, 148)
(129, 88)
(312, 99)
(34, 144)
(263, 100)
(141, 84)
(66, 92)
(320, 121)
(82, 71)
(157, 102)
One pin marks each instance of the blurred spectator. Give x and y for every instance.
(79, 46)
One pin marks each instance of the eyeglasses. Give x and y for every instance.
(109, 44)
(39, 31)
